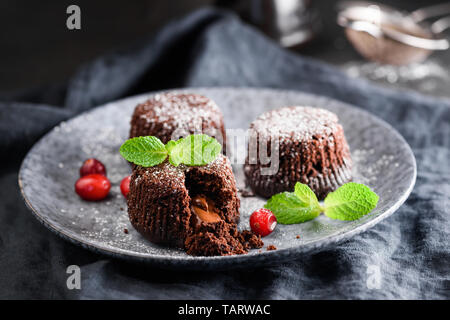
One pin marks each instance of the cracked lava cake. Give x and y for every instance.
(191, 207)
(312, 150)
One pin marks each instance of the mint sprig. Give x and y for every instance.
(146, 151)
(193, 150)
(288, 208)
(306, 195)
(349, 202)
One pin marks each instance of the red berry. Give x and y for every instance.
(91, 166)
(125, 186)
(262, 222)
(92, 187)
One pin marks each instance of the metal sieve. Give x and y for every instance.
(387, 35)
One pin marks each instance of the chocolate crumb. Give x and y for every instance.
(121, 209)
(221, 238)
(271, 247)
(125, 230)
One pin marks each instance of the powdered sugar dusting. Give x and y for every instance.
(369, 165)
(295, 122)
(178, 110)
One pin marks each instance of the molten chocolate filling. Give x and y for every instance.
(205, 210)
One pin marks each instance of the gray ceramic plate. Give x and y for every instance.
(382, 159)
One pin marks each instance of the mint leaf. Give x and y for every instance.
(175, 154)
(211, 149)
(350, 202)
(306, 195)
(288, 208)
(194, 150)
(171, 144)
(144, 151)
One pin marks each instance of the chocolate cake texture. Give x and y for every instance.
(170, 116)
(191, 207)
(310, 147)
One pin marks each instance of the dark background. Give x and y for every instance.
(37, 49)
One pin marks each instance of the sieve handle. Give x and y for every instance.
(441, 25)
(430, 12)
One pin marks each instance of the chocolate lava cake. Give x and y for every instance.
(312, 150)
(170, 116)
(195, 208)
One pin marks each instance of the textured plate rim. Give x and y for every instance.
(191, 262)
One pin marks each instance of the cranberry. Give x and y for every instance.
(91, 166)
(262, 222)
(92, 187)
(125, 186)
